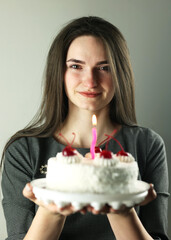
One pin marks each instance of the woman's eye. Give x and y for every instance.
(104, 68)
(75, 66)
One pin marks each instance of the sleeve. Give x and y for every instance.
(154, 215)
(18, 211)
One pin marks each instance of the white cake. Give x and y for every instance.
(77, 174)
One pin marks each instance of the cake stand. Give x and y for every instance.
(97, 201)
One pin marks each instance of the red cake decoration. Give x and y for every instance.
(68, 150)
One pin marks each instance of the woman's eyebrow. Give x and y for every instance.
(102, 62)
(75, 60)
(83, 62)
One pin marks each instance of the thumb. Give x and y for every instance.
(28, 192)
(150, 196)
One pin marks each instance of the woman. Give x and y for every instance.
(88, 71)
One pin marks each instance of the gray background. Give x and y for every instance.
(27, 29)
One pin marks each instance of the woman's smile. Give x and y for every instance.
(90, 94)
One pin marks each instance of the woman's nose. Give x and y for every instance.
(89, 80)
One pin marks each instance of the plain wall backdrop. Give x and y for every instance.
(27, 29)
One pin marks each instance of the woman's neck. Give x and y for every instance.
(80, 123)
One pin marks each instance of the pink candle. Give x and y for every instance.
(94, 136)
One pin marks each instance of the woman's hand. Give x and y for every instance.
(46, 213)
(150, 196)
(51, 207)
(124, 209)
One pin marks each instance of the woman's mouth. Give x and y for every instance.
(90, 94)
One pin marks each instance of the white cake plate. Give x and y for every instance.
(79, 200)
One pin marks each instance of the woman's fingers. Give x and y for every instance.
(52, 207)
(69, 209)
(124, 209)
(83, 210)
(104, 210)
(28, 193)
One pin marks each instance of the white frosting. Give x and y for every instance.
(77, 174)
(105, 161)
(127, 159)
(69, 159)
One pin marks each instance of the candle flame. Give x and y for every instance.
(94, 120)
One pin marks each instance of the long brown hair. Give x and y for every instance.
(54, 106)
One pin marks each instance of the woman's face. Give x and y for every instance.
(88, 81)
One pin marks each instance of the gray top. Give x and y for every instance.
(25, 156)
